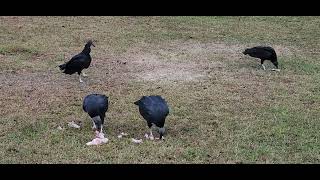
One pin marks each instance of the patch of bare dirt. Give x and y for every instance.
(152, 67)
(223, 49)
(179, 61)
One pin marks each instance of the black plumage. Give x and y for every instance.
(154, 109)
(96, 105)
(263, 53)
(78, 62)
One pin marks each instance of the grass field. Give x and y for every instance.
(223, 107)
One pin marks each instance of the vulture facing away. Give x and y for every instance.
(96, 105)
(154, 110)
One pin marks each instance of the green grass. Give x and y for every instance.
(223, 107)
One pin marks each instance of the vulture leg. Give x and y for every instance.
(79, 73)
(151, 135)
(101, 128)
(80, 79)
(94, 126)
(264, 68)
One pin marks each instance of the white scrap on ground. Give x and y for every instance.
(149, 137)
(122, 134)
(138, 141)
(275, 70)
(60, 128)
(100, 139)
(97, 141)
(73, 125)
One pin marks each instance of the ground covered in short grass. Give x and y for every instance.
(223, 107)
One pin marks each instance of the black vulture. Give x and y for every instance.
(96, 105)
(263, 53)
(154, 110)
(78, 62)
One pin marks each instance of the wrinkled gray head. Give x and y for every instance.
(276, 64)
(89, 43)
(97, 121)
(87, 49)
(245, 52)
(161, 132)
